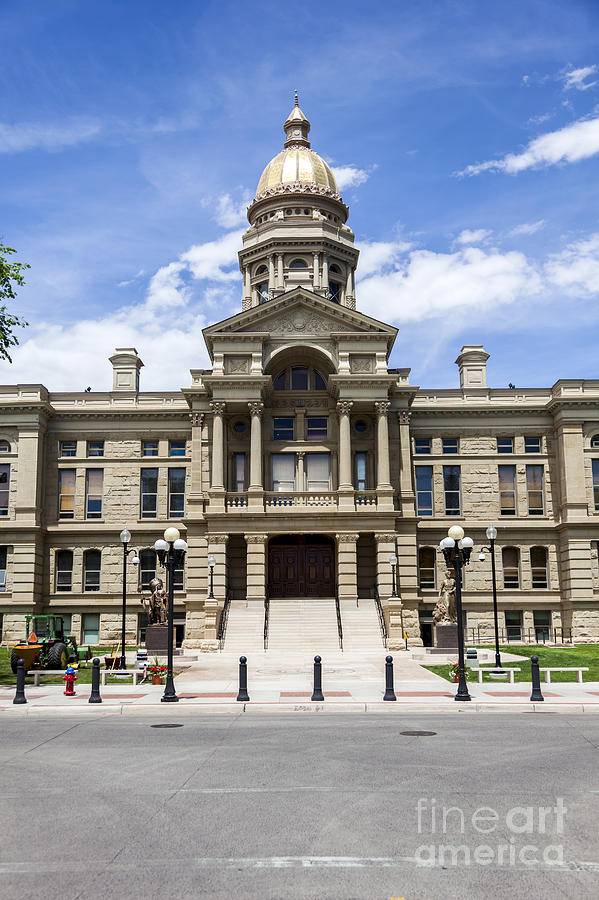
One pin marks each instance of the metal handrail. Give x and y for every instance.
(224, 618)
(381, 615)
(266, 617)
(338, 610)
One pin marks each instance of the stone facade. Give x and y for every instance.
(301, 431)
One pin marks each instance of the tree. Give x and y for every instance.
(10, 276)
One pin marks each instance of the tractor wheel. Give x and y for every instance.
(57, 656)
(14, 658)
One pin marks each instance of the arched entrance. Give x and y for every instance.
(301, 566)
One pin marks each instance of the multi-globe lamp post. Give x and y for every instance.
(491, 535)
(456, 550)
(393, 564)
(171, 552)
(125, 537)
(211, 564)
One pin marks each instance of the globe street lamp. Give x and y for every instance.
(393, 563)
(171, 551)
(456, 550)
(211, 563)
(125, 536)
(491, 535)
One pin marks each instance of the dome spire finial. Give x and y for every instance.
(296, 126)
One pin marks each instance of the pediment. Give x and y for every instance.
(300, 312)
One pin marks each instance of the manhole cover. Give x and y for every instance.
(418, 733)
(167, 725)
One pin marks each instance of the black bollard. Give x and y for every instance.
(389, 688)
(536, 695)
(317, 693)
(20, 692)
(94, 697)
(243, 695)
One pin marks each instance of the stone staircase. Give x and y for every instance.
(361, 629)
(245, 628)
(303, 625)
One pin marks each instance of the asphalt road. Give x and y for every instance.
(328, 805)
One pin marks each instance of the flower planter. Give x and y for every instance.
(156, 679)
(112, 662)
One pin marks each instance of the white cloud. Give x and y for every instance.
(166, 327)
(473, 237)
(34, 135)
(575, 270)
(527, 228)
(349, 176)
(577, 78)
(231, 214)
(569, 144)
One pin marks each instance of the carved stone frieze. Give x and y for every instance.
(347, 537)
(237, 365)
(217, 538)
(361, 364)
(256, 538)
(385, 538)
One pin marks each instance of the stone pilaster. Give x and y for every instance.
(300, 475)
(256, 487)
(346, 489)
(195, 499)
(384, 489)
(256, 567)
(407, 497)
(217, 490)
(347, 566)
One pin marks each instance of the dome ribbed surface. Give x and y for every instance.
(296, 164)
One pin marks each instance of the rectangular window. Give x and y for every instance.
(178, 579)
(507, 490)
(92, 564)
(511, 568)
(94, 482)
(361, 479)
(147, 568)
(95, 448)
(316, 429)
(422, 445)
(505, 445)
(66, 494)
(282, 429)
(426, 567)
(450, 445)
(90, 627)
(424, 490)
(176, 492)
(149, 448)
(596, 484)
(63, 565)
(299, 378)
(532, 444)
(176, 448)
(534, 487)
(239, 471)
(283, 472)
(538, 565)
(68, 448)
(451, 487)
(513, 624)
(318, 472)
(542, 624)
(149, 493)
(67, 623)
(4, 489)
(3, 554)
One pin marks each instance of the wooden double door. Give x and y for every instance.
(301, 567)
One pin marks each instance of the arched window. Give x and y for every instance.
(298, 263)
(426, 567)
(92, 564)
(320, 383)
(538, 565)
(511, 568)
(335, 291)
(4, 447)
(63, 574)
(299, 378)
(335, 268)
(263, 292)
(147, 568)
(594, 442)
(262, 270)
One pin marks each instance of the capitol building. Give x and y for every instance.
(300, 465)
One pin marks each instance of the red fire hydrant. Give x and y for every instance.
(70, 678)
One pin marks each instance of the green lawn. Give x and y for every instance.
(84, 673)
(576, 655)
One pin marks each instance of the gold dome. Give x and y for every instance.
(296, 164)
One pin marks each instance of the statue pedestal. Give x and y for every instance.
(157, 638)
(446, 637)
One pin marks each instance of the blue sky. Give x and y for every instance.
(465, 136)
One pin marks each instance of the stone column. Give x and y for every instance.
(247, 289)
(325, 271)
(392, 606)
(346, 489)
(316, 271)
(256, 487)
(300, 475)
(256, 568)
(281, 277)
(217, 491)
(406, 487)
(195, 499)
(217, 547)
(271, 275)
(347, 566)
(383, 477)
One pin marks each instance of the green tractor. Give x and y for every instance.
(47, 646)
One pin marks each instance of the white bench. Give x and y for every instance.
(578, 669)
(133, 673)
(510, 672)
(37, 673)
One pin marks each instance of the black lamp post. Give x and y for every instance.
(393, 563)
(491, 535)
(456, 550)
(170, 551)
(211, 563)
(125, 538)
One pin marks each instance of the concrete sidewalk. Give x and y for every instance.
(355, 682)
